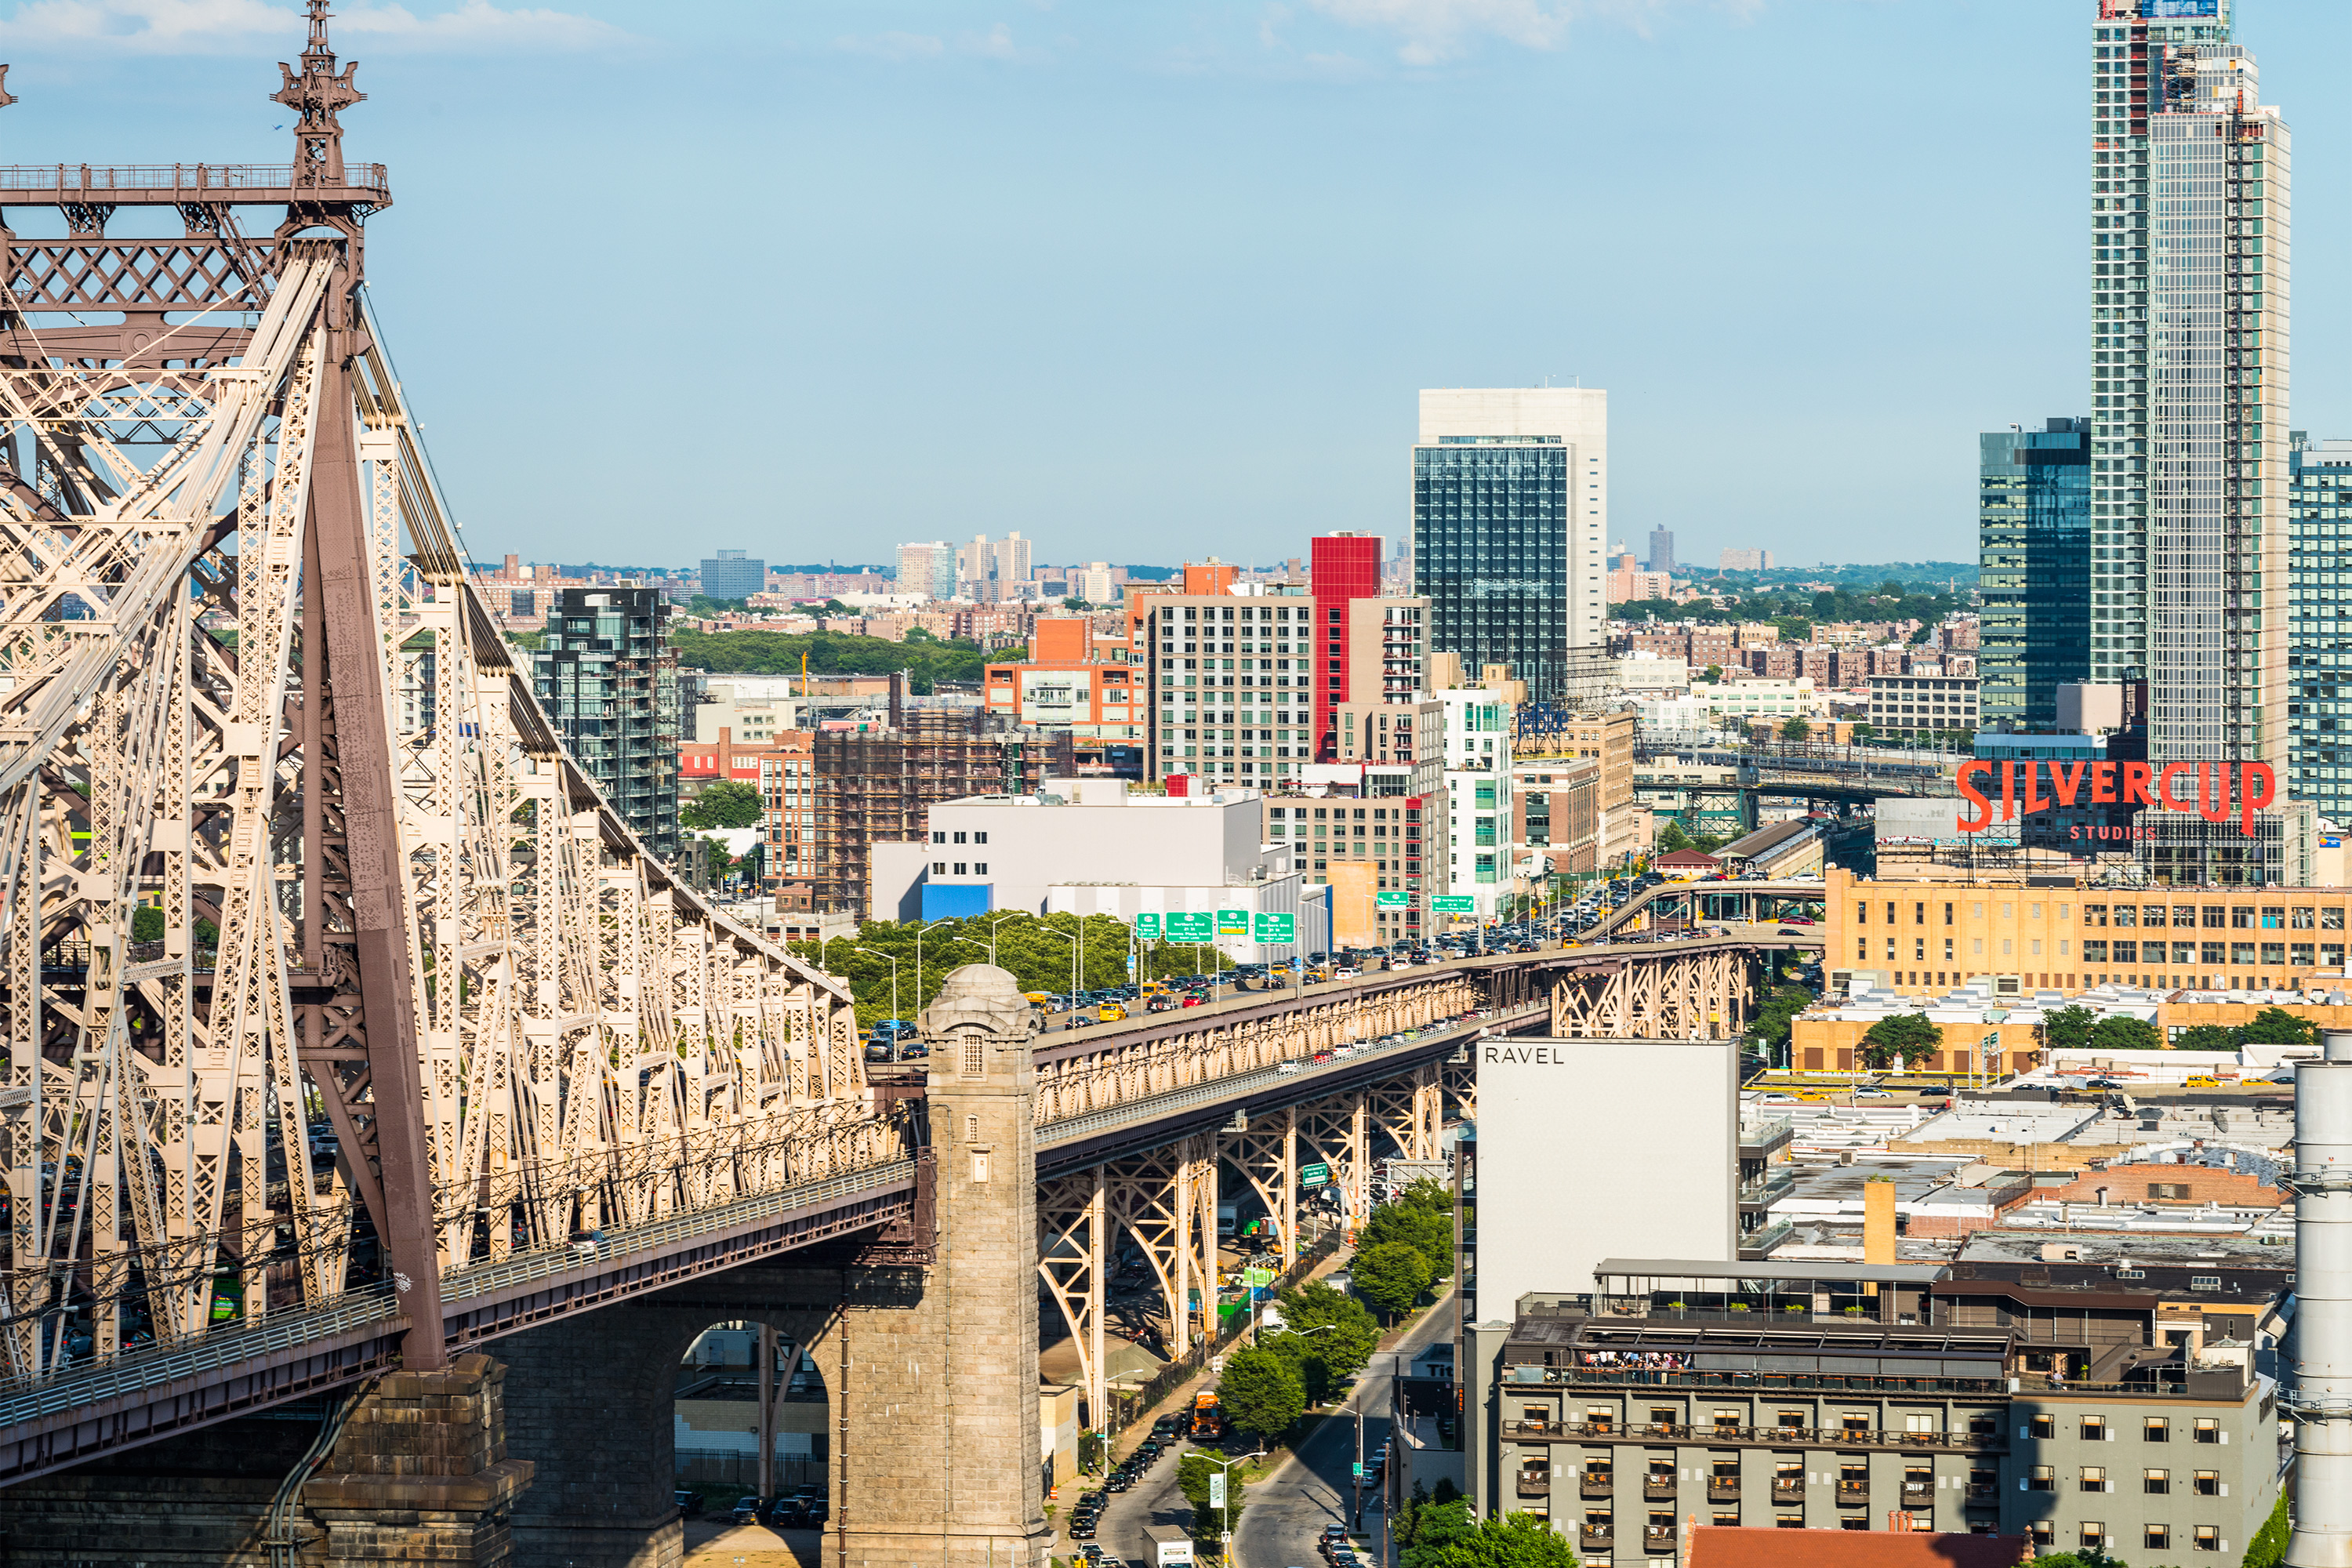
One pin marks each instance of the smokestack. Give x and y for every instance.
(2320, 1397)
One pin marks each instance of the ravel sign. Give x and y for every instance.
(2010, 790)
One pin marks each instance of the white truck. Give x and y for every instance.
(1169, 1544)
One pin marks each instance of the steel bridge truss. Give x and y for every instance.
(1703, 994)
(321, 963)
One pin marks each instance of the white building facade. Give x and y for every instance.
(1477, 798)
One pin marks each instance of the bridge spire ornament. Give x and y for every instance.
(318, 98)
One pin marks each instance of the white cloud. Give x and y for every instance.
(1435, 30)
(996, 45)
(894, 47)
(207, 26)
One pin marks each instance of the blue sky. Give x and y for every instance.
(1154, 281)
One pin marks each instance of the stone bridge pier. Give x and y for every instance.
(556, 1450)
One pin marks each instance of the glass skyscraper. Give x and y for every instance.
(2319, 658)
(2188, 317)
(2033, 536)
(1509, 511)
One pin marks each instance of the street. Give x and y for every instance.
(1288, 1511)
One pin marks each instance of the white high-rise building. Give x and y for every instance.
(1510, 508)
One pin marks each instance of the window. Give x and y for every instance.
(2095, 1478)
(2241, 917)
(2157, 1535)
(2207, 1537)
(2206, 1483)
(2331, 920)
(2209, 1429)
(2093, 1533)
(2274, 917)
(2168, 1192)
(2300, 918)
(2159, 1429)
(2095, 914)
(980, 839)
(2212, 914)
(2042, 1478)
(2156, 1483)
(2044, 1532)
(980, 868)
(2204, 1282)
(2044, 1427)
(2094, 1428)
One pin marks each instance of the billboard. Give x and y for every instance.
(2019, 791)
(2159, 10)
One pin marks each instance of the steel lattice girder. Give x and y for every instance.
(593, 1045)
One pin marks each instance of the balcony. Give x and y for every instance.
(1789, 1491)
(1658, 1488)
(1918, 1494)
(1764, 1191)
(1853, 1494)
(1535, 1483)
(1720, 1488)
(1982, 1496)
(1596, 1487)
(1658, 1538)
(1988, 1440)
(1591, 1538)
(1758, 1139)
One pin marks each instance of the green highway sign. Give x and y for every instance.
(1314, 1175)
(1146, 928)
(1275, 928)
(1392, 900)
(1233, 923)
(1185, 925)
(1455, 904)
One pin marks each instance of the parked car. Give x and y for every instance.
(746, 1510)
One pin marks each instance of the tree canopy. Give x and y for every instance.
(1911, 1037)
(1261, 1392)
(1328, 1337)
(1036, 950)
(1414, 1220)
(2069, 1028)
(927, 661)
(1390, 1277)
(1774, 1021)
(727, 804)
(2122, 1032)
(2277, 1026)
(1193, 1474)
(1445, 1535)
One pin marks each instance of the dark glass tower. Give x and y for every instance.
(2033, 539)
(2319, 646)
(608, 678)
(1490, 549)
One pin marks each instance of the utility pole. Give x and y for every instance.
(766, 1354)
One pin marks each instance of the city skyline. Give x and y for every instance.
(1237, 344)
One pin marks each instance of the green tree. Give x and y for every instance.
(1446, 1536)
(2122, 1032)
(1428, 1232)
(1209, 1525)
(1907, 1036)
(1261, 1393)
(2208, 1038)
(1864, 732)
(1775, 1021)
(2069, 1028)
(2088, 1557)
(1795, 729)
(2277, 1026)
(146, 924)
(1390, 1277)
(727, 804)
(1713, 673)
(1327, 1334)
(2268, 1548)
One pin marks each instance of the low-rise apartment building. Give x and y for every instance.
(1868, 1396)
(1925, 704)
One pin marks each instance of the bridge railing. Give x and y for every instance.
(196, 180)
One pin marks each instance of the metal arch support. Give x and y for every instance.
(1266, 1155)
(1073, 1214)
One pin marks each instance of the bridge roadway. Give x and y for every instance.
(1844, 773)
(1108, 1097)
(1641, 911)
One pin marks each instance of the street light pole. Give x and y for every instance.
(1066, 936)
